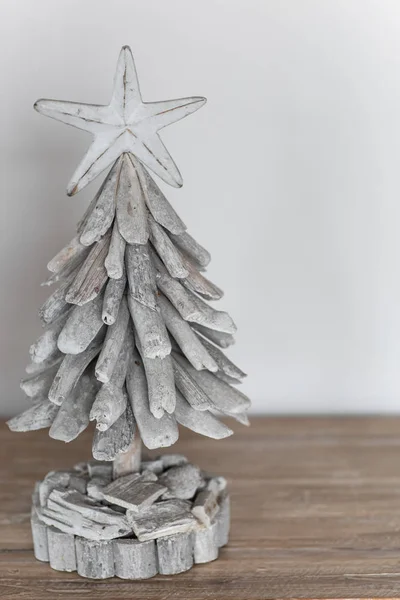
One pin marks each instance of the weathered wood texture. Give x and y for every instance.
(315, 514)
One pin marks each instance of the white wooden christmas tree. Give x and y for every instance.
(131, 343)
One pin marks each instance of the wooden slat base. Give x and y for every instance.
(315, 514)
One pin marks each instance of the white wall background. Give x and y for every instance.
(291, 175)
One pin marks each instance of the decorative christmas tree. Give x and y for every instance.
(130, 343)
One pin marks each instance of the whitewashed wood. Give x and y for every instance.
(221, 339)
(212, 318)
(81, 468)
(141, 275)
(166, 250)
(116, 439)
(112, 344)
(216, 484)
(81, 327)
(78, 482)
(113, 294)
(193, 249)
(196, 282)
(182, 481)
(225, 398)
(45, 348)
(130, 460)
(71, 265)
(202, 422)
(131, 208)
(160, 383)
(92, 276)
(188, 386)
(38, 416)
(82, 222)
(156, 202)
(223, 362)
(53, 480)
(205, 506)
(155, 432)
(109, 405)
(185, 337)
(115, 259)
(111, 399)
(56, 304)
(77, 514)
(133, 493)
(38, 384)
(98, 468)
(73, 500)
(73, 416)
(62, 555)
(205, 546)
(227, 378)
(173, 460)
(37, 368)
(95, 487)
(177, 294)
(71, 522)
(95, 559)
(125, 125)
(189, 305)
(154, 466)
(240, 417)
(223, 519)
(100, 219)
(162, 519)
(175, 553)
(70, 252)
(134, 559)
(71, 370)
(39, 537)
(35, 495)
(150, 329)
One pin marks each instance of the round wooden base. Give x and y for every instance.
(163, 519)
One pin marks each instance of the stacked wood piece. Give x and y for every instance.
(129, 340)
(162, 519)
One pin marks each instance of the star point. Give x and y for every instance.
(127, 124)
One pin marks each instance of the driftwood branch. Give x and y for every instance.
(157, 203)
(116, 439)
(101, 216)
(113, 295)
(223, 340)
(71, 369)
(38, 416)
(185, 337)
(150, 329)
(45, 348)
(200, 422)
(193, 249)
(141, 275)
(131, 208)
(155, 432)
(92, 276)
(73, 416)
(113, 342)
(114, 262)
(73, 251)
(170, 256)
(81, 327)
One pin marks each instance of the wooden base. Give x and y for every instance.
(162, 519)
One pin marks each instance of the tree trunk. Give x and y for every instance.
(129, 461)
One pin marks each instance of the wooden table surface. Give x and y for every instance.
(316, 514)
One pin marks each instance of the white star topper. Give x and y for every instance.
(127, 124)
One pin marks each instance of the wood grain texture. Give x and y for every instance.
(315, 514)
